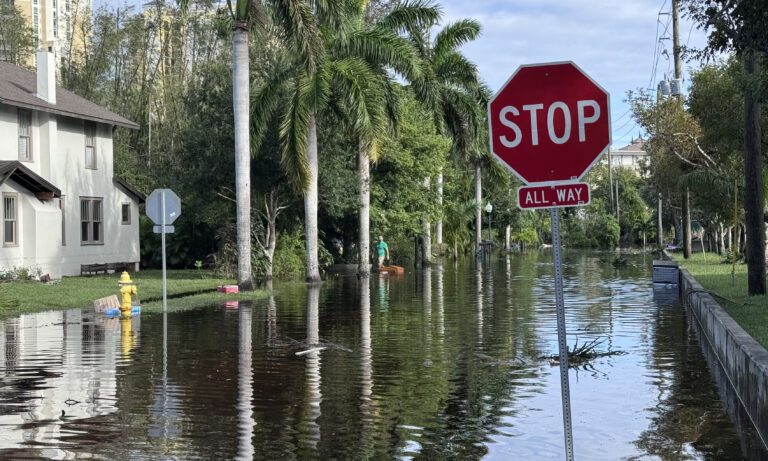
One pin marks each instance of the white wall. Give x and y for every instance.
(59, 156)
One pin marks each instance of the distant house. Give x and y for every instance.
(61, 205)
(631, 156)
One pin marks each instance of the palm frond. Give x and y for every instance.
(706, 181)
(336, 16)
(391, 104)
(383, 48)
(299, 25)
(454, 68)
(294, 129)
(455, 34)
(264, 103)
(410, 15)
(363, 94)
(317, 87)
(426, 88)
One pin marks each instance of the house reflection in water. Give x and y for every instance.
(57, 369)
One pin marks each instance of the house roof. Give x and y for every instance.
(128, 189)
(636, 145)
(26, 178)
(18, 87)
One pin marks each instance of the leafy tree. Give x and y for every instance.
(740, 26)
(16, 37)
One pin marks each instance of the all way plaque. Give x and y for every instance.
(557, 195)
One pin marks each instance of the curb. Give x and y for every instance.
(743, 361)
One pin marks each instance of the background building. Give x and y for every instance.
(632, 156)
(64, 26)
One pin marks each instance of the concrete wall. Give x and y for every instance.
(744, 362)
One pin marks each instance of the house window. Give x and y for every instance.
(35, 23)
(90, 146)
(125, 213)
(91, 225)
(63, 222)
(10, 220)
(25, 135)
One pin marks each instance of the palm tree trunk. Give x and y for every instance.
(686, 224)
(310, 204)
(753, 185)
(721, 240)
(241, 99)
(659, 226)
(426, 233)
(364, 184)
(478, 205)
(439, 224)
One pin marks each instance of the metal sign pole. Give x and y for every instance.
(162, 238)
(561, 339)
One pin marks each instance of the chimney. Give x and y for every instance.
(46, 76)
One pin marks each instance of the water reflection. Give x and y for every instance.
(440, 302)
(312, 371)
(446, 367)
(57, 368)
(245, 384)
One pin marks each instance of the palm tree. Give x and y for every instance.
(452, 92)
(294, 19)
(370, 102)
(240, 99)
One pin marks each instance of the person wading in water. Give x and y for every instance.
(382, 250)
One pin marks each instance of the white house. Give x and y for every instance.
(61, 205)
(632, 156)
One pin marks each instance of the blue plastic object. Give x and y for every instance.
(135, 310)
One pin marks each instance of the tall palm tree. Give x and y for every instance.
(295, 21)
(240, 99)
(370, 102)
(451, 90)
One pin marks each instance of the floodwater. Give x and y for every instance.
(443, 363)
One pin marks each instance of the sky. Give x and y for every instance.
(616, 42)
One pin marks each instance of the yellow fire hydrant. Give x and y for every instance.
(127, 289)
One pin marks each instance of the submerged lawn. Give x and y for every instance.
(73, 292)
(751, 312)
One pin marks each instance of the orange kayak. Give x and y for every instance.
(395, 270)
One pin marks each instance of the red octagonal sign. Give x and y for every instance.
(549, 123)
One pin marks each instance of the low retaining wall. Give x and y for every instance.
(743, 361)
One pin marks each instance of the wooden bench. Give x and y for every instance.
(95, 269)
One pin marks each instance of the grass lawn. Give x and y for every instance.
(730, 291)
(72, 292)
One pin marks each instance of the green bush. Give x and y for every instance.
(596, 230)
(290, 254)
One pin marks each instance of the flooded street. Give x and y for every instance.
(443, 363)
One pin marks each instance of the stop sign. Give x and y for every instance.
(549, 123)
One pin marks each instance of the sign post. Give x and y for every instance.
(163, 207)
(549, 124)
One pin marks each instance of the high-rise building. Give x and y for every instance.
(63, 26)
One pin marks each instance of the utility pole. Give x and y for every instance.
(678, 80)
(610, 176)
(676, 42)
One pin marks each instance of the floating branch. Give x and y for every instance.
(581, 354)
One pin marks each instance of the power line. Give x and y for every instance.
(616, 120)
(631, 129)
(659, 45)
(625, 124)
